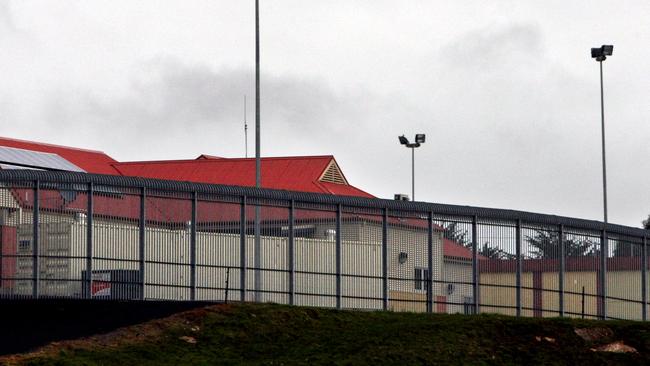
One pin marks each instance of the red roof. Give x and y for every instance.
(298, 173)
(452, 249)
(91, 161)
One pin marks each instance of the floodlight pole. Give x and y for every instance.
(413, 173)
(258, 163)
(602, 116)
(419, 139)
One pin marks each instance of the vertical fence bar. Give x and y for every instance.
(193, 249)
(242, 249)
(603, 273)
(36, 272)
(143, 198)
(518, 274)
(562, 269)
(384, 258)
(430, 262)
(644, 273)
(475, 278)
(291, 255)
(338, 256)
(89, 242)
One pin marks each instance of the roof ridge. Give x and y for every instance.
(52, 145)
(223, 160)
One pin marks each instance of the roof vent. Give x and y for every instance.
(401, 197)
(333, 174)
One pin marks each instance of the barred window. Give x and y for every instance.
(421, 276)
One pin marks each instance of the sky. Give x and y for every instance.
(505, 91)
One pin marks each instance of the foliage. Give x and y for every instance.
(546, 244)
(454, 232)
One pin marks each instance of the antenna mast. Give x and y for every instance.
(245, 128)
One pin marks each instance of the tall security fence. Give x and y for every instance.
(75, 235)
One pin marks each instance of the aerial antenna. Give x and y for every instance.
(245, 128)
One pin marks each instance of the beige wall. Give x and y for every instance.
(620, 284)
(116, 246)
(502, 300)
(624, 285)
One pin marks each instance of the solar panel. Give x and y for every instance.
(4, 166)
(35, 159)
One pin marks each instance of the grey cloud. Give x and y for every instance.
(197, 106)
(495, 47)
(7, 25)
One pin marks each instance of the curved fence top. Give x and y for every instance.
(307, 197)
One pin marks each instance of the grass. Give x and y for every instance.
(265, 334)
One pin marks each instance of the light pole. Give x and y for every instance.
(600, 54)
(258, 161)
(419, 139)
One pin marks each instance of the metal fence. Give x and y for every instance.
(75, 235)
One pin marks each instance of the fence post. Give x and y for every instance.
(193, 249)
(518, 270)
(384, 258)
(475, 279)
(562, 268)
(430, 262)
(338, 256)
(36, 262)
(89, 242)
(242, 250)
(291, 259)
(143, 197)
(644, 273)
(603, 273)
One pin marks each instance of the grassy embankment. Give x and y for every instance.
(275, 334)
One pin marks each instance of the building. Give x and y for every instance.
(63, 228)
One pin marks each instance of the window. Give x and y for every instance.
(421, 276)
(24, 245)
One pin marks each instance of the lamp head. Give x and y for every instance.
(608, 50)
(403, 140)
(419, 138)
(601, 53)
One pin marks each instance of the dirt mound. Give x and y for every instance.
(130, 335)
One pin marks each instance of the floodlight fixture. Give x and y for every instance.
(608, 50)
(601, 53)
(419, 139)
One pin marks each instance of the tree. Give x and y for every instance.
(546, 245)
(457, 234)
(453, 232)
(626, 249)
(494, 253)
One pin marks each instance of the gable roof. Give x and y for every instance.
(317, 174)
(91, 161)
(297, 173)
